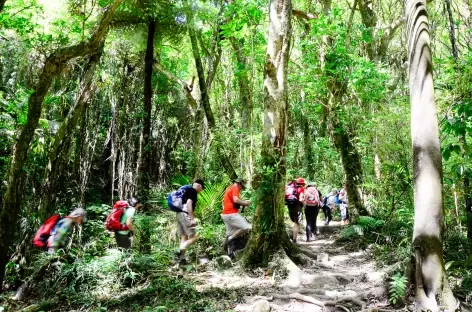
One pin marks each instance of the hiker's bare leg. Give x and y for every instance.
(295, 230)
(236, 234)
(190, 241)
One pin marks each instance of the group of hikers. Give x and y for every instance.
(299, 197)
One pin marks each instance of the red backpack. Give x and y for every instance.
(42, 235)
(113, 221)
(312, 197)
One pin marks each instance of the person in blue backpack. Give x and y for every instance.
(183, 202)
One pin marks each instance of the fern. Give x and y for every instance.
(397, 287)
(180, 180)
(365, 224)
(210, 201)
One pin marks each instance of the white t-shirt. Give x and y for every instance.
(129, 212)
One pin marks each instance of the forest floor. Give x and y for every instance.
(334, 277)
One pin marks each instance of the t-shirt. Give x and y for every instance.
(190, 193)
(129, 212)
(228, 203)
(343, 196)
(60, 233)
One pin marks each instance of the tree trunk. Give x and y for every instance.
(205, 101)
(66, 130)
(51, 68)
(145, 167)
(462, 138)
(307, 144)
(452, 33)
(2, 5)
(268, 235)
(431, 279)
(352, 167)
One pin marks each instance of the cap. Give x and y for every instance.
(78, 212)
(300, 181)
(201, 182)
(240, 181)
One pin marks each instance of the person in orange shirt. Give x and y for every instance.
(234, 222)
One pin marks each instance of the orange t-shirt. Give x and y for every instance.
(228, 204)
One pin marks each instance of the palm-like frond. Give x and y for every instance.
(210, 201)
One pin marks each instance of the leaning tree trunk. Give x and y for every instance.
(431, 279)
(268, 235)
(65, 132)
(145, 166)
(205, 101)
(352, 168)
(51, 68)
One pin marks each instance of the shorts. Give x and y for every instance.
(234, 222)
(123, 240)
(295, 212)
(184, 224)
(344, 212)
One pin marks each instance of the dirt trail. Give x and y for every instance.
(337, 280)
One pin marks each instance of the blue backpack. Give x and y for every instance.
(175, 199)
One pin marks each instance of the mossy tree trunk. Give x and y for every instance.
(205, 98)
(64, 136)
(52, 67)
(431, 279)
(268, 235)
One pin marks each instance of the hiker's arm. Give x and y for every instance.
(236, 200)
(190, 209)
(129, 223)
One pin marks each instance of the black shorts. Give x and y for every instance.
(295, 212)
(122, 240)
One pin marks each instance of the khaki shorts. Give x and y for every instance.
(234, 222)
(183, 223)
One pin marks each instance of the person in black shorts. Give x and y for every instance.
(294, 197)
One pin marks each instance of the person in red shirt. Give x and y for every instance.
(234, 222)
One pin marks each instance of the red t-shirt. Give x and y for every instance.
(300, 191)
(228, 203)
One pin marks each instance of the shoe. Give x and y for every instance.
(183, 261)
(178, 255)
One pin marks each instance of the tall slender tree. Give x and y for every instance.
(431, 279)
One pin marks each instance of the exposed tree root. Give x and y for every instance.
(300, 297)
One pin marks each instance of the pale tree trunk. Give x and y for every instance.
(65, 132)
(431, 279)
(145, 164)
(205, 100)
(268, 234)
(51, 68)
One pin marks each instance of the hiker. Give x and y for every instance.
(236, 225)
(313, 200)
(124, 237)
(329, 205)
(183, 202)
(294, 198)
(61, 231)
(343, 206)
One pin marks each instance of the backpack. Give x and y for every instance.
(44, 232)
(291, 194)
(175, 199)
(113, 221)
(312, 197)
(336, 199)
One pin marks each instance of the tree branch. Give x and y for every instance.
(303, 15)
